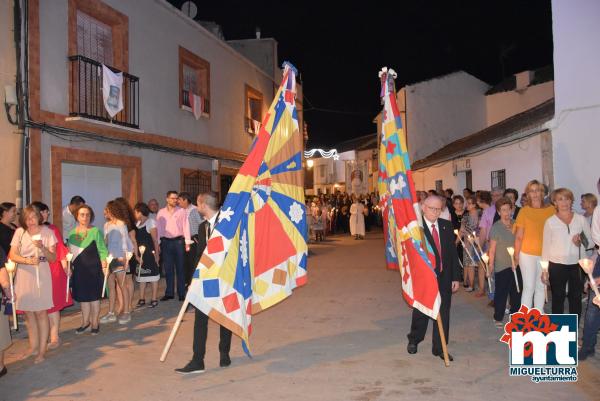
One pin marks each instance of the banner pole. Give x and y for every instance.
(443, 340)
(174, 331)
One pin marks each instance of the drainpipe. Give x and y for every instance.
(22, 190)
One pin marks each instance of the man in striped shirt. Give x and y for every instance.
(194, 219)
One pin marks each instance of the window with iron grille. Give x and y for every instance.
(498, 179)
(94, 39)
(195, 182)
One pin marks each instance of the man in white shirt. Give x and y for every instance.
(68, 218)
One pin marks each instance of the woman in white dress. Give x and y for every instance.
(32, 248)
(357, 219)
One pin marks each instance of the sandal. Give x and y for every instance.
(141, 303)
(153, 303)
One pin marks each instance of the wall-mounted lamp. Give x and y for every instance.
(310, 163)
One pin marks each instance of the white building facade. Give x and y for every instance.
(463, 134)
(575, 128)
(156, 143)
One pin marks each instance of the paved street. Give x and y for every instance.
(341, 337)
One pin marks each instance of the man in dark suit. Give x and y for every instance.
(209, 209)
(440, 235)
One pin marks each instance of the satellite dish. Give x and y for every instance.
(190, 9)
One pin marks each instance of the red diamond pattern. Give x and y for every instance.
(231, 303)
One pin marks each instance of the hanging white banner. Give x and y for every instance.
(112, 91)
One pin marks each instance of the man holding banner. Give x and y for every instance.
(423, 251)
(439, 233)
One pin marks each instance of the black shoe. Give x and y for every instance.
(191, 367)
(225, 360)
(95, 331)
(3, 371)
(153, 304)
(411, 348)
(441, 355)
(82, 329)
(166, 298)
(583, 355)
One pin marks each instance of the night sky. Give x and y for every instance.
(339, 48)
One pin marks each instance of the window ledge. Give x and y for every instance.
(103, 123)
(186, 108)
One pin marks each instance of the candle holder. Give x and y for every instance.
(511, 252)
(69, 258)
(544, 264)
(109, 259)
(142, 249)
(37, 237)
(11, 268)
(588, 266)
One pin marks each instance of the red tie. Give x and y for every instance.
(438, 245)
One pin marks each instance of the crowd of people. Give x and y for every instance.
(342, 213)
(85, 263)
(516, 245)
(521, 246)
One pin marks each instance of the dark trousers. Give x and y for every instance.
(200, 334)
(560, 275)
(418, 327)
(191, 262)
(591, 325)
(172, 252)
(506, 288)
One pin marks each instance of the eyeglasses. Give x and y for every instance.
(434, 209)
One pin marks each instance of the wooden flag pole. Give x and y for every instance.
(174, 330)
(443, 340)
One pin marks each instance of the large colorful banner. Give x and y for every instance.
(406, 246)
(257, 252)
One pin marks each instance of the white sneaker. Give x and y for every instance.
(125, 318)
(110, 317)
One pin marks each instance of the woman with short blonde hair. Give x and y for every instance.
(529, 232)
(33, 248)
(562, 248)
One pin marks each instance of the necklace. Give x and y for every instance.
(81, 236)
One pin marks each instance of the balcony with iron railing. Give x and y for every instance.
(187, 99)
(86, 94)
